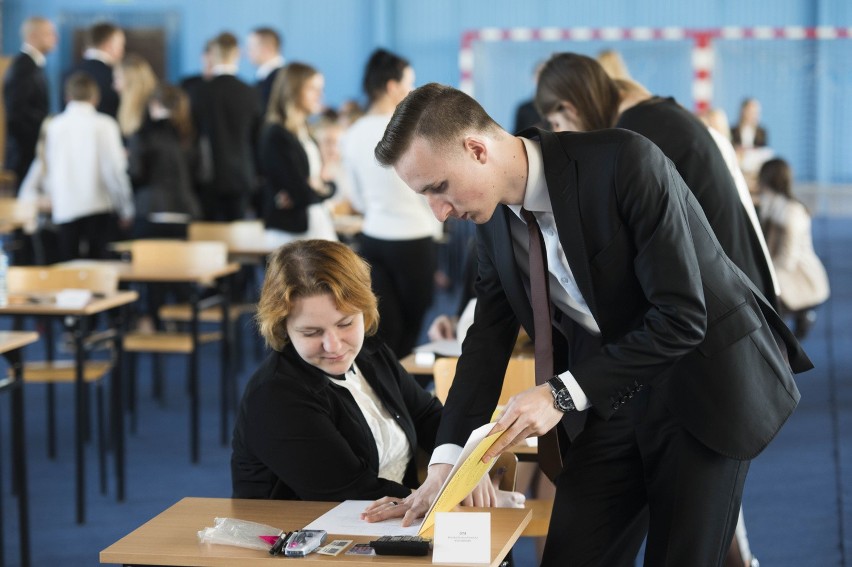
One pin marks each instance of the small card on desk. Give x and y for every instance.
(462, 537)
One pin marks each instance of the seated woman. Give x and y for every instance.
(330, 415)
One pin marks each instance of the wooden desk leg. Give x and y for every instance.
(19, 455)
(195, 297)
(227, 374)
(78, 329)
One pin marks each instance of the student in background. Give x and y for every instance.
(263, 47)
(85, 173)
(25, 93)
(399, 231)
(786, 222)
(135, 82)
(296, 180)
(160, 155)
(104, 50)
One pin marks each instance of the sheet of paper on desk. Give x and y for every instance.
(441, 348)
(345, 519)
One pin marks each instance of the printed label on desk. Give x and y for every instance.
(462, 537)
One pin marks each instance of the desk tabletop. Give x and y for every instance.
(35, 304)
(171, 538)
(127, 273)
(10, 340)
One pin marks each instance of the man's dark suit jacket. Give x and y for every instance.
(226, 115)
(300, 436)
(686, 141)
(674, 312)
(264, 89)
(27, 105)
(103, 76)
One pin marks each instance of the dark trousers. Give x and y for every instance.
(403, 273)
(87, 237)
(642, 471)
(222, 207)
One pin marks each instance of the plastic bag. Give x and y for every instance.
(241, 533)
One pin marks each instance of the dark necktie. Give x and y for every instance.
(549, 455)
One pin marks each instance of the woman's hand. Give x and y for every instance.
(415, 505)
(442, 328)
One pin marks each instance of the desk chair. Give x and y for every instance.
(180, 262)
(42, 282)
(520, 376)
(237, 235)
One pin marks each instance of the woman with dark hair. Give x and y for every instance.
(296, 181)
(786, 223)
(160, 158)
(330, 414)
(398, 235)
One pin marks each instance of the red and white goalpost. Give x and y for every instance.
(703, 57)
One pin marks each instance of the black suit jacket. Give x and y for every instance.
(103, 76)
(284, 165)
(674, 312)
(264, 88)
(227, 114)
(299, 436)
(27, 105)
(686, 141)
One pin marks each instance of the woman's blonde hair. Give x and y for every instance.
(306, 268)
(283, 107)
(139, 84)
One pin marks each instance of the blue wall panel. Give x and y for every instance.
(803, 100)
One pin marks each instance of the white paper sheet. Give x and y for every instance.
(345, 519)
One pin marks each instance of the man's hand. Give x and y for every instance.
(442, 328)
(413, 506)
(530, 413)
(483, 495)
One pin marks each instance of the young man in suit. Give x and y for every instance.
(670, 368)
(105, 50)
(25, 94)
(226, 113)
(263, 48)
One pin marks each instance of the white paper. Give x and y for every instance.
(462, 537)
(345, 519)
(444, 348)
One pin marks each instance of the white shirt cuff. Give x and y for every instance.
(448, 454)
(581, 402)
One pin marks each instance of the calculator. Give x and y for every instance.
(401, 545)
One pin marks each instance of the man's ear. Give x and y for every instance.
(476, 147)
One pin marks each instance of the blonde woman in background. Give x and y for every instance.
(613, 64)
(296, 180)
(134, 81)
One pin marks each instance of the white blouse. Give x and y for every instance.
(391, 442)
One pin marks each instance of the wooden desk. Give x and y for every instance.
(171, 537)
(11, 345)
(218, 277)
(76, 320)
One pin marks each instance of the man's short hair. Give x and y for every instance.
(383, 66)
(268, 35)
(224, 47)
(80, 86)
(30, 24)
(437, 113)
(101, 33)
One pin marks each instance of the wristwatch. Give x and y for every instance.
(562, 399)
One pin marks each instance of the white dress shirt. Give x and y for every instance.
(564, 292)
(391, 442)
(85, 166)
(35, 54)
(264, 70)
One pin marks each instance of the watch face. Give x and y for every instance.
(564, 401)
